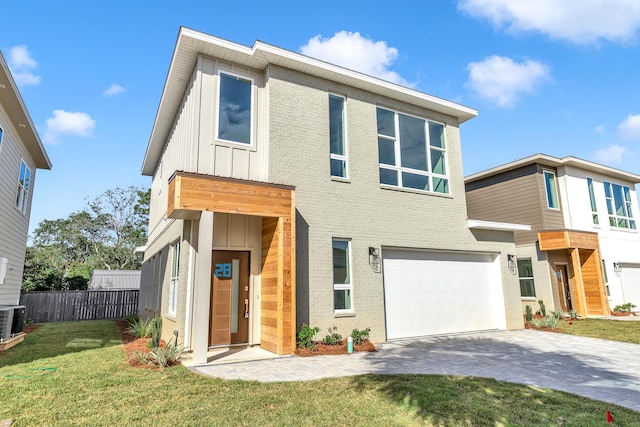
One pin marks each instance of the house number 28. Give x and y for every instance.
(223, 271)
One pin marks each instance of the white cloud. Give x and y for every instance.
(22, 64)
(601, 129)
(611, 155)
(578, 21)
(502, 80)
(114, 89)
(68, 123)
(351, 50)
(630, 127)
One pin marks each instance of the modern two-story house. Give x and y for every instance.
(21, 153)
(286, 190)
(583, 250)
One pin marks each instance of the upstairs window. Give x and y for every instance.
(24, 182)
(342, 275)
(552, 190)
(411, 152)
(619, 206)
(525, 274)
(234, 109)
(592, 198)
(0, 140)
(337, 137)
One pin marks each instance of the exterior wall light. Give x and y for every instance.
(513, 265)
(374, 259)
(617, 268)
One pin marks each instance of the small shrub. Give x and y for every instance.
(131, 319)
(305, 336)
(528, 313)
(334, 338)
(543, 309)
(163, 357)
(156, 331)
(140, 328)
(628, 307)
(573, 314)
(546, 322)
(557, 314)
(359, 336)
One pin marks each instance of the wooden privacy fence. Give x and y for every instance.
(61, 306)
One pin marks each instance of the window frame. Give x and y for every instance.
(174, 278)
(22, 194)
(252, 110)
(335, 156)
(592, 199)
(547, 188)
(399, 169)
(627, 204)
(342, 286)
(531, 278)
(1, 138)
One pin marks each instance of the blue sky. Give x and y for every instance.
(552, 76)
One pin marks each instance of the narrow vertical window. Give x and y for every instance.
(337, 140)
(342, 275)
(24, 182)
(552, 191)
(525, 274)
(606, 279)
(0, 140)
(175, 274)
(234, 109)
(592, 198)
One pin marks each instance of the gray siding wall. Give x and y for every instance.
(518, 197)
(359, 209)
(14, 224)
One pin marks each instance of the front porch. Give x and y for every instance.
(588, 286)
(197, 197)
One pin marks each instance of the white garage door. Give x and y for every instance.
(432, 293)
(630, 278)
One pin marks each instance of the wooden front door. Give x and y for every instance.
(229, 313)
(564, 290)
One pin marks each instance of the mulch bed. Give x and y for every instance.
(132, 344)
(323, 349)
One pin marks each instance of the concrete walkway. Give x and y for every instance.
(598, 369)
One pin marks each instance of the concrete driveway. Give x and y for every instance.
(594, 368)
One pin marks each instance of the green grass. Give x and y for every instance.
(93, 385)
(616, 330)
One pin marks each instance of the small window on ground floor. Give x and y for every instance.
(525, 274)
(342, 287)
(175, 274)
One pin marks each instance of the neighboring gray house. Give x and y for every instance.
(21, 153)
(114, 280)
(287, 190)
(583, 250)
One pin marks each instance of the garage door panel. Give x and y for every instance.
(630, 278)
(431, 293)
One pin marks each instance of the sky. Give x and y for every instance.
(559, 77)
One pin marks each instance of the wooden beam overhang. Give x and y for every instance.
(588, 286)
(190, 194)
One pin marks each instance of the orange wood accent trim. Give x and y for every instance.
(191, 193)
(566, 239)
(578, 290)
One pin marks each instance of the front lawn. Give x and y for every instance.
(616, 330)
(75, 374)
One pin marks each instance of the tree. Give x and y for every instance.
(104, 235)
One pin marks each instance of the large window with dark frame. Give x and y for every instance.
(551, 189)
(619, 203)
(411, 152)
(24, 182)
(234, 108)
(342, 287)
(525, 274)
(337, 140)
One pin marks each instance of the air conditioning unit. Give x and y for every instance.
(6, 319)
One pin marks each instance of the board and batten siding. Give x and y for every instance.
(14, 225)
(192, 145)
